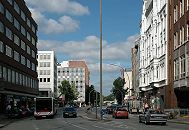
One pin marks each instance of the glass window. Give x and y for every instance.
(9, 16)
(16, 40)
(28, 22)
(9, 75)
(5, 73)
(48, 79)
(33, 28)
(16, 56)
(1, 47)
(33, 54)
(33, 41)
(28, 50)
(10, 2)
(8, 51)
(28, 36)
(9, 33)
(17, 79)
(1, 72)
(20, 77)
(16, 7)
(13, 76)
(23, 16)
(28, 63)
(16, 24)
(183, 65)
(1, 8)
(1, 27)
(23, 60)
(33, 66)
(23, 30)
(23, 45)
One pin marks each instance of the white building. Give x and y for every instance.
(76, 72)
(47, 73)
(153, 46)
(128, 84)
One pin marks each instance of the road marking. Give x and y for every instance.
(75, 125)
(36, 128)
(102, 127)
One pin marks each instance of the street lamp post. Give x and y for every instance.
(101, 59)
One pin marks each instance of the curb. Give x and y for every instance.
(178, 122)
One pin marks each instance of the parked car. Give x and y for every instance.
(69, 112)
(120, 112)
(151, 116)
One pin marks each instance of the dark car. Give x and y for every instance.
(69, 112)
(153, 116)
(111, 108)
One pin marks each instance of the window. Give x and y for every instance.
(28, 36)
(16, 24)
(17, 78)
(28, 50)
(1, 72)
(187, 30)
(9, 75)
(16, 7)
(23, 31)
(187, 4)
(48, 79)
(1, 8)
(5, 73)
(28, 63)
(33, 54)
(40, 80)
(20, 76)
(8, 51)
(23, 60)
(1, 27)
(181, 8)
(10, 2)
(33, 41)
(9, 33)
(28, 22)
(13, 76)
(23, 45)
(16, 56)
(16, 40)
(33, 29)
(9, 16)
(44, 79)
(1, 47)
(180, 43)
(23, 16)
(182, 66)
(33, 67)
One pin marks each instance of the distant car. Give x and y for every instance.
(69, 112)
(111, 108)
(153, 116)
(120, 112)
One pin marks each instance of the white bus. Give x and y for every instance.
(45, 107)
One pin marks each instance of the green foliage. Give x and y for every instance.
(92, 95)
(109, 97)
(118, 90)
(69, 90)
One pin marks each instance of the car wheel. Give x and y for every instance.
(140, 120)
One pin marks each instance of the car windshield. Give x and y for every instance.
(155, 112)
(69, 109)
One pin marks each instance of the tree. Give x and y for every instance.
(109, 97)
(118, 89)
(68, 90)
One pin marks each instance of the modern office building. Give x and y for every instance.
(76, 72)
(18, 62)
(178, 54)
(47, 73)
(153, 52)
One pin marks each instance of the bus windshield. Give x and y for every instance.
(43, 105)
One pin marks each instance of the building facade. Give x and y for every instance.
(47, 73)
(128, 84)
(153, 51)
(18, 49)
(178, 53)
(77, 73)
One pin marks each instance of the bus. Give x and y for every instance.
(45, 107)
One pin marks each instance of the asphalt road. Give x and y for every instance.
(80, 123)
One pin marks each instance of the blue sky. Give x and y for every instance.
(71, 29)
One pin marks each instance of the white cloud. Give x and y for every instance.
(88, 49)
(51, 26)
(59, 6)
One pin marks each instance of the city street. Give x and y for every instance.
(83, 123)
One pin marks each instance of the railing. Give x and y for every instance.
(177, 112)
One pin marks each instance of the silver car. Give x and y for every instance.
(153, 116)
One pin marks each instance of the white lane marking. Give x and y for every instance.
(102, 127)
(75, 125)
(36, 128)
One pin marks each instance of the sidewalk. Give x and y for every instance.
(4, 120)
(180, 120)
